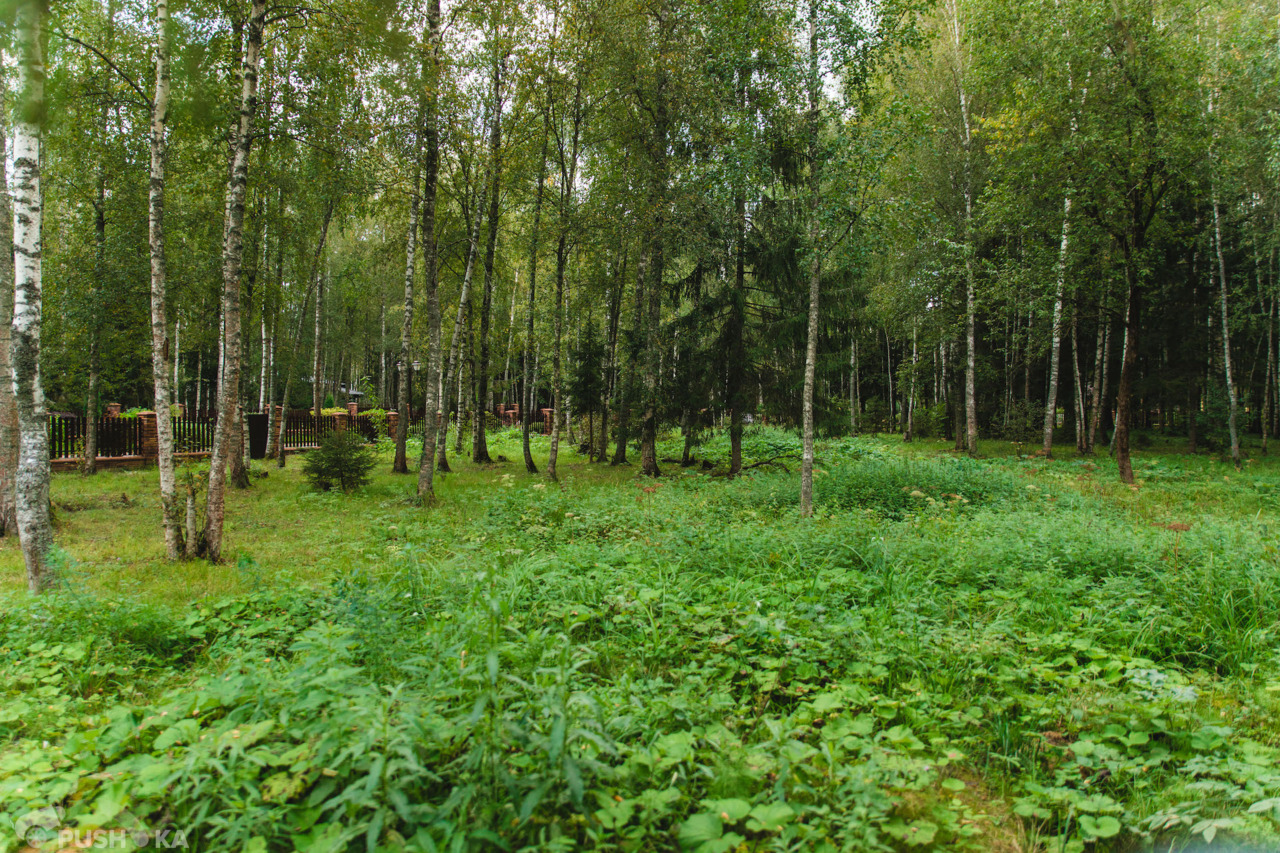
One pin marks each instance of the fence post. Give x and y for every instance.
(150, 444)
(393, 419)
(340, 421)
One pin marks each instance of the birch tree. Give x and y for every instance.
(8, 404)
(232, 257)
(161, 359)
(31, 479)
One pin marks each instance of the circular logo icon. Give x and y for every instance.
(39, 827)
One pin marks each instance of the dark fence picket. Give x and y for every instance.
(193, 433)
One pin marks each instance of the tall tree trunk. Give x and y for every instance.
(31, 479)
(1082, 429)
(909, 431)
(611, 352)
(317, 351)
(568, 178)
(401, 463)
(735, 330)
(171, 510)
(815, 271)
(466, 379)
(530, 403)
(1129, 364)
(507, 385)
(1232, 396)
(479, 440)
(430, 259)
(8, 405)
(557, 381)
(232, 257)
(454, 368)
(1101, 363)
(1055, 346)
(656, 263)
(93, 406)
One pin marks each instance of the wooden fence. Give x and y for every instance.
(193, 433)
(116, 436)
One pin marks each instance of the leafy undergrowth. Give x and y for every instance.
(950, 655)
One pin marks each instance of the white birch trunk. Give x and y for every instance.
(171, 511)
(400, 465)
(31, 480)
(1055, 346)
(8, 404)
(815, 273)
(232, 258)
(430, 258)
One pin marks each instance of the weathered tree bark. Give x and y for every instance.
(656, 262)
(815, 271)
(1078, 400)
(568, 158)
(1055, 345)
(232, 257)
(466, 378)
(454, 367)
(317, 351)
(479, 440)
(956, 27)
(171, 510)
(93, 406)
(430, 259)
(1128, 366)
(557, 380)
(530, 401)
(611, 355)
(401, 463)
(736, 325)
(908, 433)
(1233, 400)
(31, 479)
(8, 405)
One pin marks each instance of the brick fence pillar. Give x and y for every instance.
(150, 449)
(353, 409)
(393, 419)
(340, 421)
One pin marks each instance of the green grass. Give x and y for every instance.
(1004, 654)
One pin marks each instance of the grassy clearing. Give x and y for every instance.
(1009, 654)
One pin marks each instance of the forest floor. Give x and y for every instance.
(1002, 654)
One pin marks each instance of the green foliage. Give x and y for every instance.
(342, 460)
(682, 664)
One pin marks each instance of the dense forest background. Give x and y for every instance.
(1007, 220)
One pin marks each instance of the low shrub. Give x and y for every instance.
(341, 460)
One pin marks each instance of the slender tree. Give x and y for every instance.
(31, 480)
(232, 257)
(161, 357)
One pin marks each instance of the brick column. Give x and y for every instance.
(393, 419)
(150, 449)
(339, 422)
(353, 409)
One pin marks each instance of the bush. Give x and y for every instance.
(342, 459)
